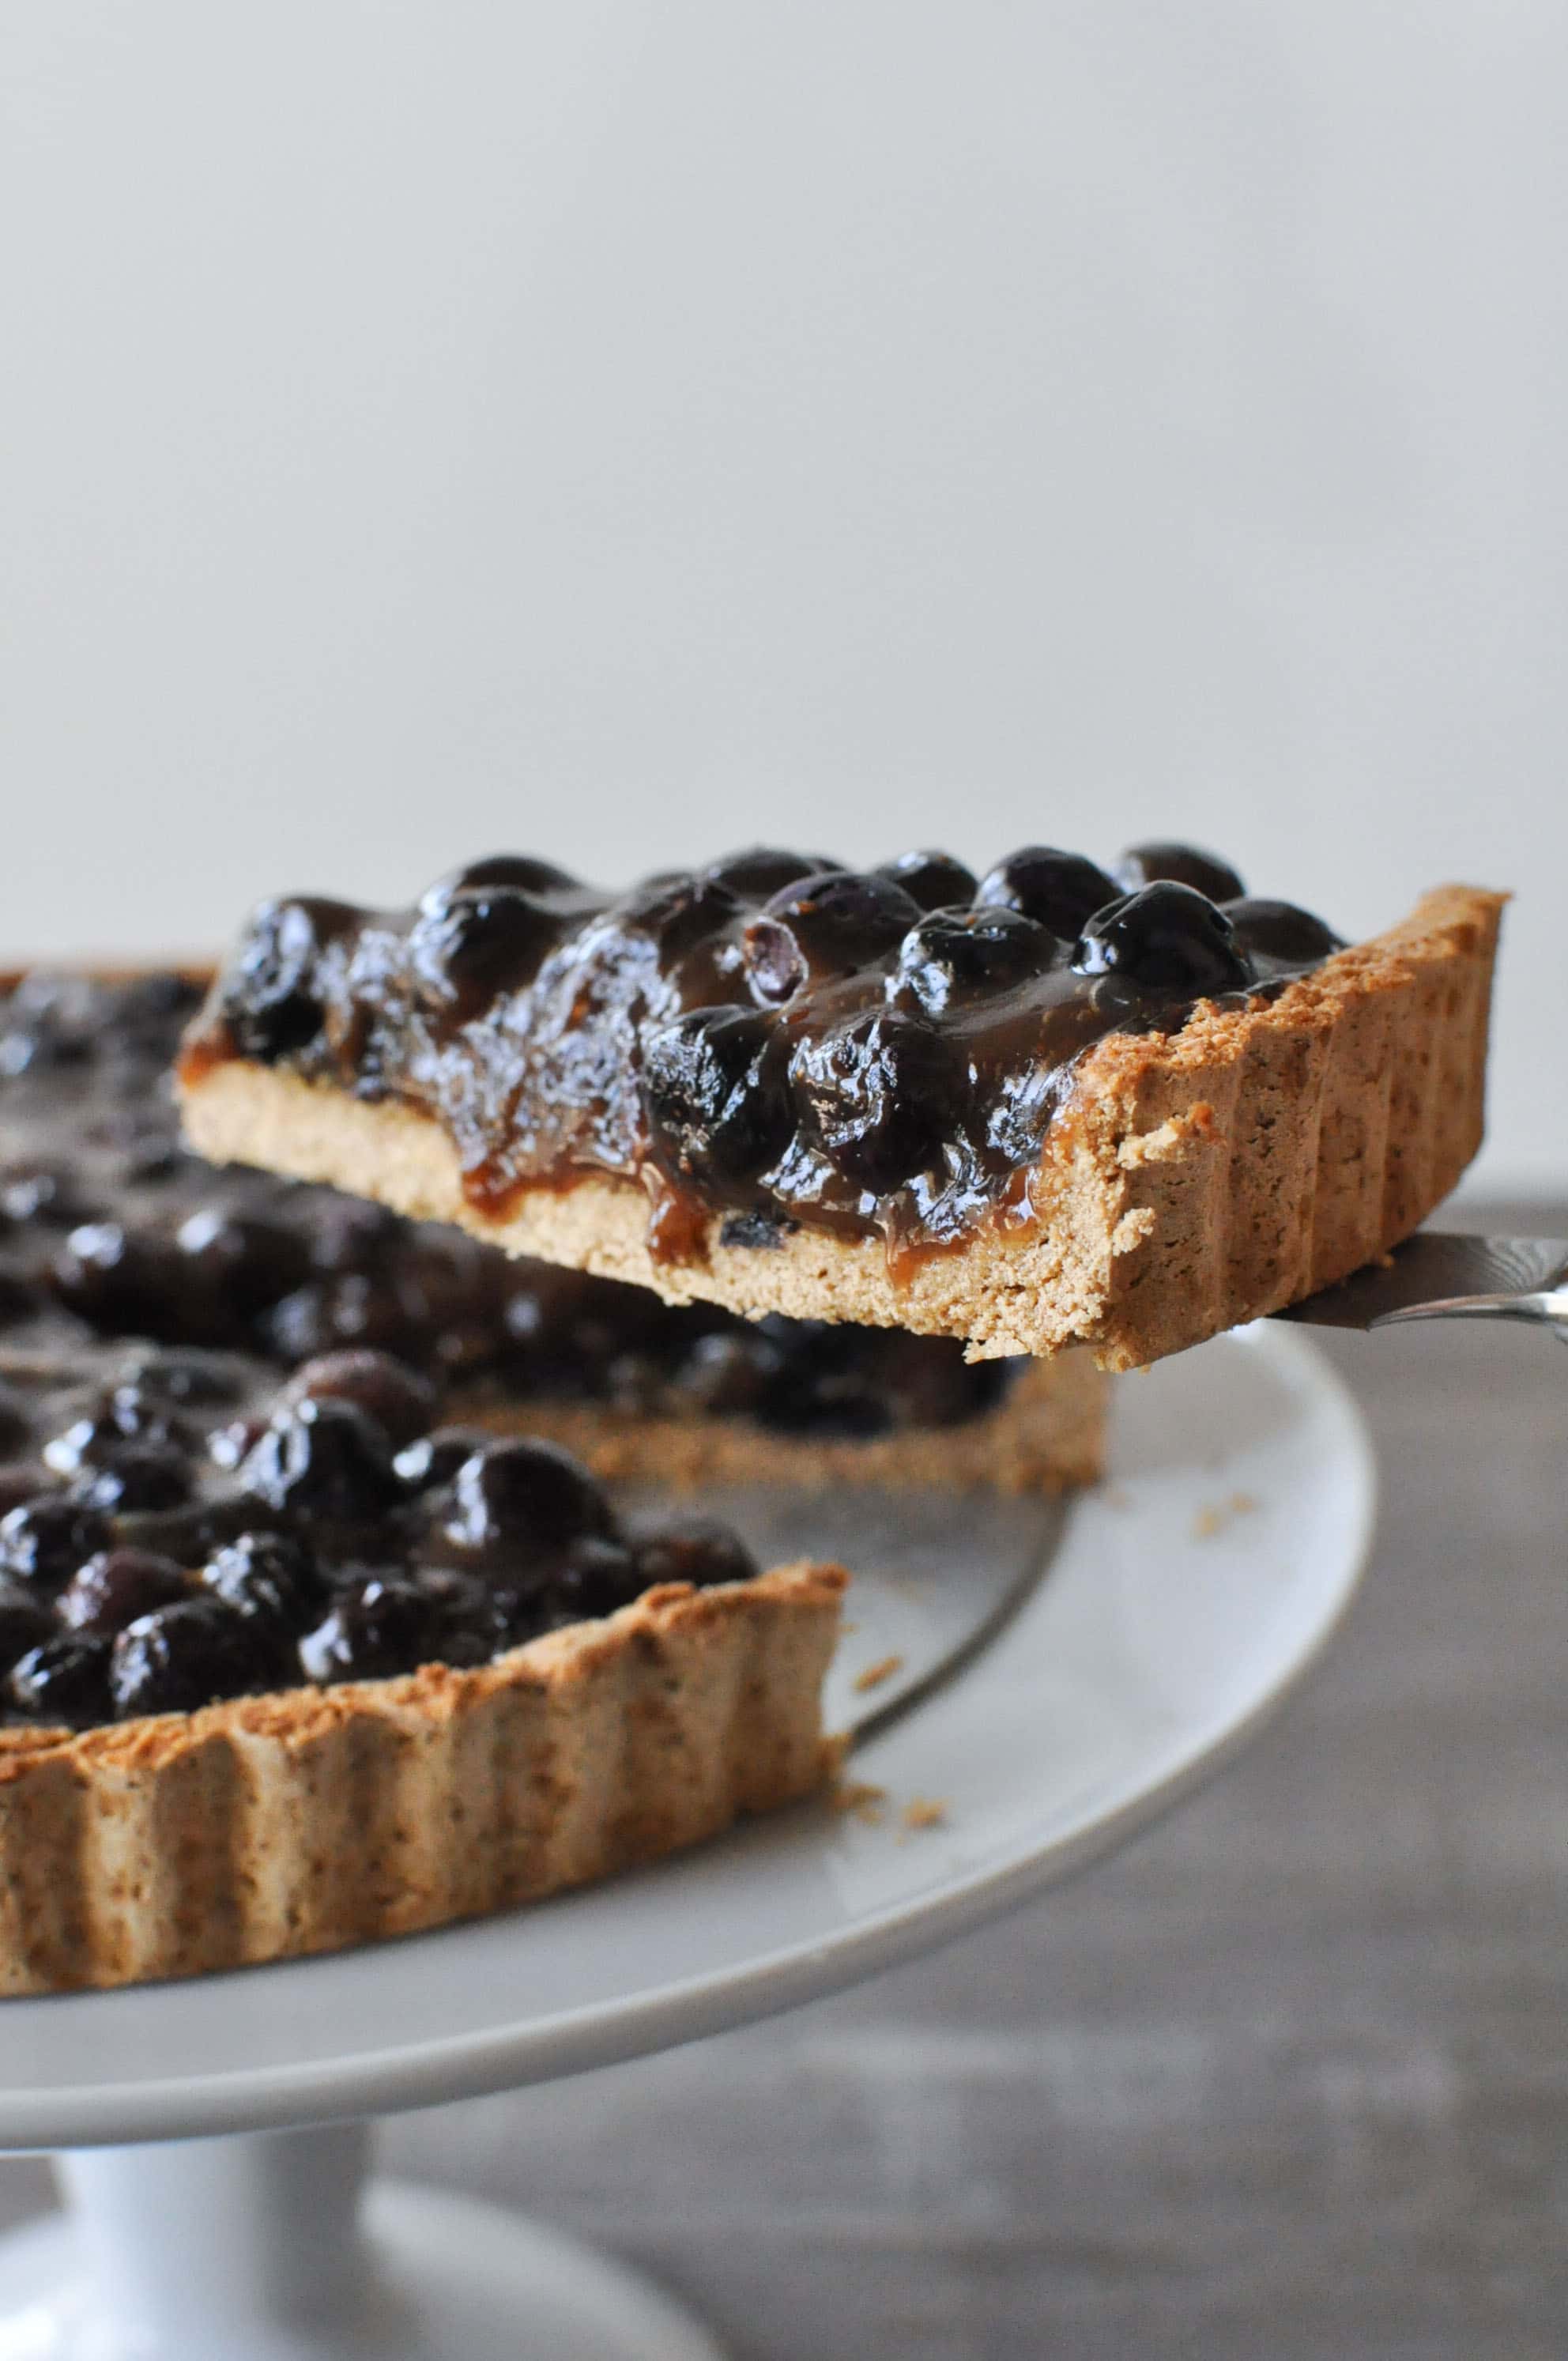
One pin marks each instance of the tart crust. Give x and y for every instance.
(315, 1819)
(1192, 1181)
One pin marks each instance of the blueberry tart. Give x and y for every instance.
(1048, 1105)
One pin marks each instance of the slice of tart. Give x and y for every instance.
(1054, 1106)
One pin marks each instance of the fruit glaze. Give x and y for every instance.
(775, 1038)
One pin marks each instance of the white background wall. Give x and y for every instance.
(627, 430)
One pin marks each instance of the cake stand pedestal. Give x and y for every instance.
(211, 2137)
(271, 2246)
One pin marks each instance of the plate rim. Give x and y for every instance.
(475, 2063)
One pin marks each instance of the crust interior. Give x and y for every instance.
(1194, 1179)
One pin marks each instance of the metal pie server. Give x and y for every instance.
(1442, 1275)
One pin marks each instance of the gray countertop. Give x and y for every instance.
(1286, 2080)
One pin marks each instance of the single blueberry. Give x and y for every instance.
(955, 952)
(180, 1658)
(1179, 864)
(935, 879)
(715, 1094)
(323, 1460)
(1279, 930)
(1168, 937)
(1061, 890)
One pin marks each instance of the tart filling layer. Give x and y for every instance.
(774, 1037)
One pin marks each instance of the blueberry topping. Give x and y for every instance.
(271, 1574)
(517, 871)
(435, 1458)
(115, 1586)
(1168, 937)
(1182, 865)
(823, 927)
(271, 996)
(715, 1093)
(1279, 930)
(25, 1622)
(385, 1624)
(935, 879)
(522, 1500)
(1059, 890)
(65, 1680)
(323, 1460)
(180, 1658)
(959, 952)
(399, 1399)
(479, 941)
(877, 1097)
(698, 1550)
(137, 1476)
(761, 871)
(45, 1541)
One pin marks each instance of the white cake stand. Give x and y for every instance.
(1184, 1600)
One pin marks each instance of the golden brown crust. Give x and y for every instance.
(1194, 1179)
(303, 1822)
(1047, 1436)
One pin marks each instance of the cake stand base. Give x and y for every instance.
(269, 2247)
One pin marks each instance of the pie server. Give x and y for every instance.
(1441, 1275)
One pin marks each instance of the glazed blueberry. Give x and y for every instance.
(525, 1499)
(1169, 938)
(1279, 930)
(479, 941)
(823, 927)
(45, 1541)
(64, 1680)
(435, 1458)
(877, 1095)
(25, 1622)
(383, 1624)
(180, 1658)
(271, 995)
(1060, 890)
(117, 1278)
(272, 1574)
(597, 1576)
(678, 913)
(324, 1461)
(760, 871)
(697, 1550)
(115, 1586)
(955, 952)
(242, 1259)
(101, 1434)
(729, 1374)
(399, 1399)
(1180, 864)
(715, 1093)
(137, 1476)
(935, 879)
(517, 871)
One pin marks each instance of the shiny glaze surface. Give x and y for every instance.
(774, 1037)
